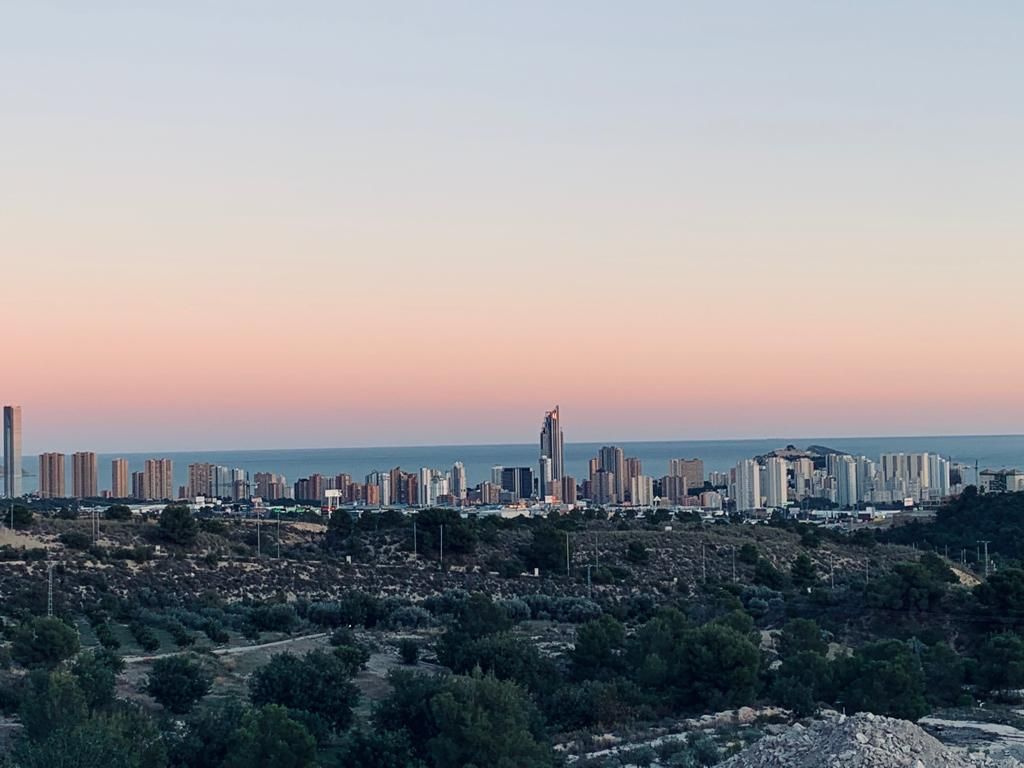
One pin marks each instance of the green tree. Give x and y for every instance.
(206, 740)
(317, 682)
(377, 749)
(803, 572)
(945, 673)
(1001, 663)
(23, 516)
(118, 512)
(269, 738)
(598, 649)
(44, 642)
(96, 673)
(885, 678)
(52, 701)
(485, 721)
(546, 549)
(637, 553)
(177, 683)
(407, 707)
(718, 667)
(123, 739)
(178, 525)
(408, 651)
(799, 635)
(802, 681)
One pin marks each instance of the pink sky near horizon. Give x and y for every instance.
(334, 229)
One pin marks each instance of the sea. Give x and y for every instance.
(988, 451)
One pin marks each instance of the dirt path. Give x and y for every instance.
(230, 651)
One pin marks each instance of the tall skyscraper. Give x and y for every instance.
(846, 481)
(83, 475)
(12, 451)
(746, 485)
(458, 484)
(691, 469)
(158, 480)
(777, 485)
(201, 480)
(119, 479)
(51, 476)
(552, 443)
(612, 459)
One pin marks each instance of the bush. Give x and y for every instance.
(177, 683)
(75, 540)
(43, 642)
(144, 636)
(409, 651)
(178, 525)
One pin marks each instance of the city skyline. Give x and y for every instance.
(784, 223)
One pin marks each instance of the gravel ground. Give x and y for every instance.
(861, 741)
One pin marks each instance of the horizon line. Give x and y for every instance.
(407, 446)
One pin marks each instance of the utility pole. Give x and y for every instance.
(278, 533)
(49, 589)
(734, 563)
(703, 564)
(442, 546)
(867, 571)
(832, 570)
(414, 551)
(259, 540)
(567, 554)
(985, 544)
(588, 581)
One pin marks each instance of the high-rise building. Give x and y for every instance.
(568, 493)
(777, 485)
(612, 459)
(518, 481)
(12, 451)
(845, 471)
(270, 485)
(458, 482)
(158, 480)
(552, 443)
(602, 487)
(632, 468)
(138, 485)
(119, 479)
(803, 477)
(201, 480)
(545, 481)
(83, 475)
(691, 469)
(746, 486)
(51, 476)
(641, 490)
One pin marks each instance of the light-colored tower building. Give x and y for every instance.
(12, 451)
(545, 480)
(119, 479)
(846, 481)
(776, 489)
(51, 476)
(83, 475)
(552, 443)
(641, 490)
(158, 480)
(746, 482)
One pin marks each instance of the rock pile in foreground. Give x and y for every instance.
(861, 741)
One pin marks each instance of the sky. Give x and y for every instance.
(263, 224)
